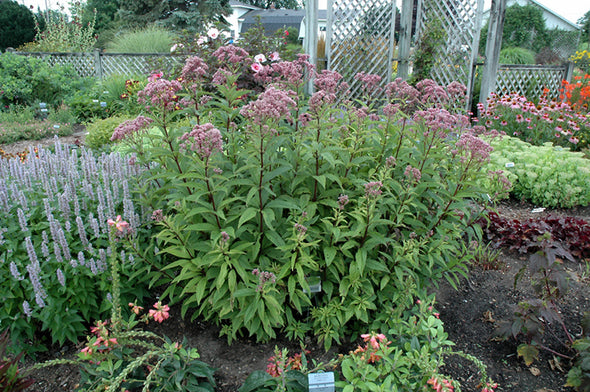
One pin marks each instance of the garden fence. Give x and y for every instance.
(532, 80)
(101, 65)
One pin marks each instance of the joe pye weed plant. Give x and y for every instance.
(264, 194)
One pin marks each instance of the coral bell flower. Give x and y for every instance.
(160, 312)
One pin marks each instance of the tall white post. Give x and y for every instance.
(310, 42)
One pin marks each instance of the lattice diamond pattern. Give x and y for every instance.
(361, 39)
(136, 64)
(459, 19)
(529, 80)
(83, 63)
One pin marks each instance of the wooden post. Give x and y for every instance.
(310, 43)
(493, 46)
(405, 39)
(391, 42)
(97, 64)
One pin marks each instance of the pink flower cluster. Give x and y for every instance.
(263, 277)
(194, 69)
(370, 82)
(230, 53)
(473, 149)
(204, 139)
(440, 121)
(373, 343)
(160, 312)
(291, 73)
(160, 94)
(373, 189)
(131, 127)
(272, 104)
(413, 173)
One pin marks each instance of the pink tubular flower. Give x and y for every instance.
(130, 127)
(160, 312)
(135, 308)
(374, 339)
(119, 224)
(204, 139)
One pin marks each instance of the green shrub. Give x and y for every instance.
(151, 39)
(27, 81)
(546, 176)
(101, 130)
(256, 205)
(517, 56)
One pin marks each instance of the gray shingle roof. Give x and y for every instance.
(275, 19)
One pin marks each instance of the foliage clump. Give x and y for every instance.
(263, 197)
(545, 175)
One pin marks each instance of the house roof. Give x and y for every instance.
(275, 19)
(545, 9)
(567, 21)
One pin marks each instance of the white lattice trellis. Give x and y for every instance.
(461, 21)
(360, 38)
(137, 64)
(105, 64)
(530, 80)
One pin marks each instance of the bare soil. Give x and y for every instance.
(471, 315)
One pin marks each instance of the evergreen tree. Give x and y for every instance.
(584, 21)
(175, 14)
(17, 25)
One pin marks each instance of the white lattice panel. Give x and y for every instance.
(461, 20)
(136, 64)
(530, 80)
(360, 39)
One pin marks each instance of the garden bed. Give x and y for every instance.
(471, 315)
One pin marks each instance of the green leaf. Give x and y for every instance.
(321, 179)
(248, 214)
(255, 380)
(329, 254)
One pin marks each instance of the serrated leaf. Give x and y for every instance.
(528, 352)
(248, 214)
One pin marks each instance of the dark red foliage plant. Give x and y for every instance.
(522, 235)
